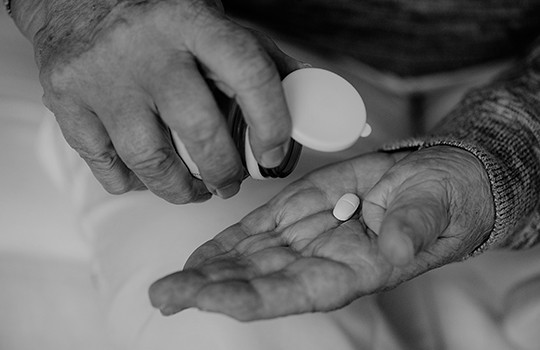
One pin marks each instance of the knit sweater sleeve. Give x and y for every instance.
(500, 124)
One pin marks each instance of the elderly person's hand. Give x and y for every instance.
(420, 210)
(117, 77)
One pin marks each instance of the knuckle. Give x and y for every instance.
(199, 131)
(259, 69)
(150, 163)
(104, 161)
(197, 14)
(251, 63)
(220, 166)
(105, 165)
(200, 17)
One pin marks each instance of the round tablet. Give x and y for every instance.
(327, 112)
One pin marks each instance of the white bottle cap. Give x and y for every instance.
(327, 112)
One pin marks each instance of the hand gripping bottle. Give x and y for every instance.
(328, 115)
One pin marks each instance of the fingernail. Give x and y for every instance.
(229, 190)
(274, 157)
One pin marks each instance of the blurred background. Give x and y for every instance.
(47, 299)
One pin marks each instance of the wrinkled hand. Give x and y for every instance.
(117, 78)
(429, 208)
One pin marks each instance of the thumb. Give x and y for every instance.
(407, 218)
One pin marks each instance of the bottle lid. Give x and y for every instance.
(327, 112)
(327, 115)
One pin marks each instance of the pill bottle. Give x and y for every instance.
(240, 134)
(327, 114)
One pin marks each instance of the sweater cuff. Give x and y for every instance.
(500, 125)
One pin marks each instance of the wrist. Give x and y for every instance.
(67, 27)
(45, 23)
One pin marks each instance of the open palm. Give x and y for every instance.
(292, 256)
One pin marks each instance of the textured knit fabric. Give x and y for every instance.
(406, 37)
(499, 123)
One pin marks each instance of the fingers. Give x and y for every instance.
(186, 104)
(182, 290)
(128, 147)
(258, 276)
(85, 133)
(143, 144)
(407, 219)
(240, 61)
(246, 300)
(285, 64)
(281, 285)
(176, 292)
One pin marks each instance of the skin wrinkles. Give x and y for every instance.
(99, 65)
(287, 257)
(338, 262)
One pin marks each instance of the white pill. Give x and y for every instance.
(346, 206)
